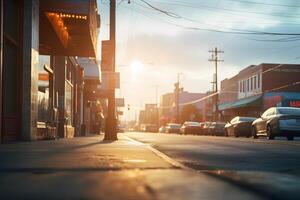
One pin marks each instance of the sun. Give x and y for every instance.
(136, 67)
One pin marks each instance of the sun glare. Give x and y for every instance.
(136, 67)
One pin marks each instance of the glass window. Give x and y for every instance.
(289, 111)
(43, 87)
(255, 80)
(258, 81)
(68, 103)
(11, 19)
(10, 79)
(251, 84)
(248, 85)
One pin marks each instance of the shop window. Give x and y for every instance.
(43, 89)
(11, 57)
(11, 14)
(10, 79)
(69, 103)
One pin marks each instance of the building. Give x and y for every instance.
(208, 109)
(92, 95)
(149, 115)
(258, 87)
(39, 73)
(167, 109)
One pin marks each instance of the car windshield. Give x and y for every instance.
(247, 119)
(192, 123)
(289, 111)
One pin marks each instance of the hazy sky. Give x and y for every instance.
(178, 40)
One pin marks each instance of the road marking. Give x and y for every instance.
(161, 155)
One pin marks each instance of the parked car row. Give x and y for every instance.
(195, 128)
(275, 121)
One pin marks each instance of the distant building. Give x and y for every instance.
(149, 115)
(167, 109)
(258, 87)
(207, 111)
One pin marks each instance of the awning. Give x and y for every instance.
(69, 27)
(91, 68)
(251, 101)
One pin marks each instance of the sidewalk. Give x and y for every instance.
(89, 168)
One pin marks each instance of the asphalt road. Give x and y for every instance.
(269, 168)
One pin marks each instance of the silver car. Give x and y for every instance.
(278, 121)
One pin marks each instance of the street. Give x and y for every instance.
(262, 166)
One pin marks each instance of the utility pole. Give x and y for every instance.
(215, 59)
(111, 124)
(177, 93)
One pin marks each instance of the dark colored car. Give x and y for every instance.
(278, 121)
(239, 126)
(217, 129)
(190, 128)
(173, 128)
(204, 127)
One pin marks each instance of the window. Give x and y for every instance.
(241, 86)
(258, 81)
(248, 85)
(251, 84)
(244, 86)
(255, 82)
(43, 89)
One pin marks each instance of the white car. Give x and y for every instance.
(278, 121)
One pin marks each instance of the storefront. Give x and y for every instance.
(247, 107)
(38, 72)
(256, 105)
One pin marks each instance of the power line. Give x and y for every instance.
(170, 14)
(234, 31)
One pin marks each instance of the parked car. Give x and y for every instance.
(239, 126)
(204, 127)
(190, 128)
(173, 128)
(162, 129)
(278, 121)
(217, 129)
(149, 128)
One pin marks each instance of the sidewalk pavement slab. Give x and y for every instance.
(90, 168)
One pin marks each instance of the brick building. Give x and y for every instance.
(167, 109)
(258, 87)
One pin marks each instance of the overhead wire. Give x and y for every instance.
(234, 31)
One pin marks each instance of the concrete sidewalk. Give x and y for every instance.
(89, 168)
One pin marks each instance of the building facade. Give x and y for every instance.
(167, 109)
(258, 87)
(38, 69)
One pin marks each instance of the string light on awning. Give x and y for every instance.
(59, 27)
(72, 16)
